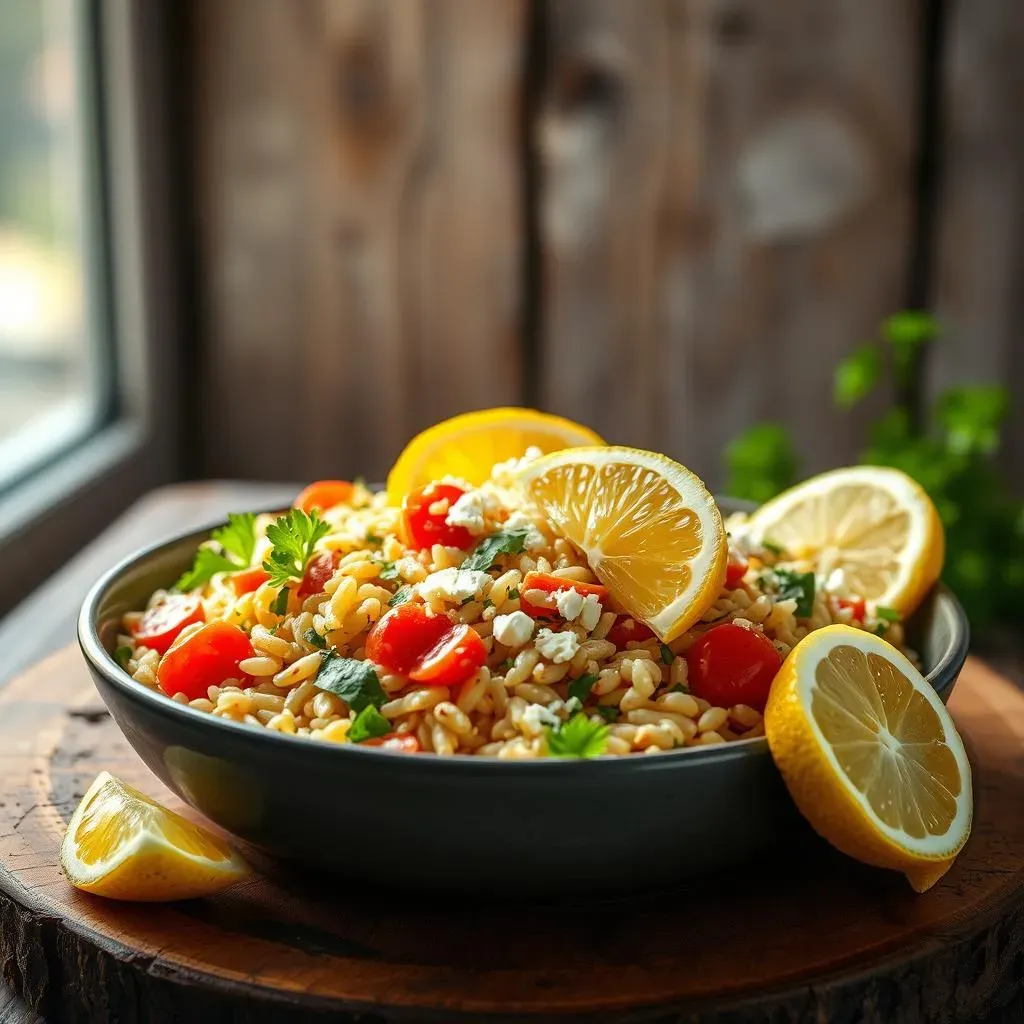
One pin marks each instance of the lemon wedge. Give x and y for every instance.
(649, 528)
(869, 753)
(122, 845)
(873, 522)
(468, 446)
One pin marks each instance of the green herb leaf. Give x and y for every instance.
(580, 688)
(888, 614)
(372, 538)
(507, 664)
(907, 333)
(488, 603)
(314, 639)
(400, 596)
(881, 629)
(368, 725)
(466, 600)
(207, 564)
(388, 571)
(856, 376)
(507, 542)
(513, 593)
(667, 657)
(280, 603)
(579, 737)
(122, 655)
(354, 681)
(680, 688)
(761, 462)
(972, 418)
(294, 536)
(796, 585)
(607, 711)
(238, 538)
(772, 548)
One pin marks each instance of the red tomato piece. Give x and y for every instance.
(423, 528)
(206, 658)
(323, 494)
(857, 605)
(453, 659)
(318, 572)
(731, 664)
(248, 580)
(162, 623)
(628, 630)
(401, 741)
(403, 635)
(735, 570)
(548, 583)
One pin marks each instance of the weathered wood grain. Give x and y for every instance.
(833, 940)
(977, 289)
(725, 193)
(359, 195)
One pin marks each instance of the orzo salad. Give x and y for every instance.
(583, 602)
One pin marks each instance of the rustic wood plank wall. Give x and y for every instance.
(666, 219)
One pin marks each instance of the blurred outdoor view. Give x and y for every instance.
(47, 376)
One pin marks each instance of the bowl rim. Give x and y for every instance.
(103, 663)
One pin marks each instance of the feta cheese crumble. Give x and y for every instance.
(513, 630)
(537, 716)
(504, 473)
(535, 540)
(470, 511)
(574, 607)
(454, 585)
(591, 614)
(557, 647)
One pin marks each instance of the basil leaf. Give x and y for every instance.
(368, 725)
(508, 542)
(354, 681)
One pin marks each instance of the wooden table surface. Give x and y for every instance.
(45, 622)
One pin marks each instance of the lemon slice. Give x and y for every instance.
(468, 446)
(870, 756)
(650, 530)
(122, 845)
(874, 523)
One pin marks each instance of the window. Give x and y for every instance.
(53, 380)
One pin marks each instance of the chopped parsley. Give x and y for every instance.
(680, 688)
(466, 600)
(488, 603)
(388, 571)
(881, 628)
(607, 711)
(513, 593)
(314, 639)
(667, 657)
(798, 586)
(579, 737)
(122, 655)
(368, 725)
(507, 664)
(372, 538)
(507, 542)
(400, 596)
(772, 547)
(354, 681)
(887, 614)
(280, 603)
(580, 688)
(236, 541)
(294, 536)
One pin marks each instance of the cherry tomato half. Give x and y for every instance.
(628, 630)
(548, 583)
(401, 741)
(206, 658)
(163, 622)
(732, 664)
(423, 528)
(323, 494)
(453, 659)
(403, 635)
(248, 580)
(735, 570)
(857, 605)
(318, 572)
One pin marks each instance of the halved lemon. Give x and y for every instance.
(869, 753)
(649, 528)
(873, 522)
(122, 845)
(468, 446)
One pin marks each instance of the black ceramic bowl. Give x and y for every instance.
(372, 813)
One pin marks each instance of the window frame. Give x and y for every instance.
(132, 270)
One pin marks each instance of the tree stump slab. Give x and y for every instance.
(812, 938)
